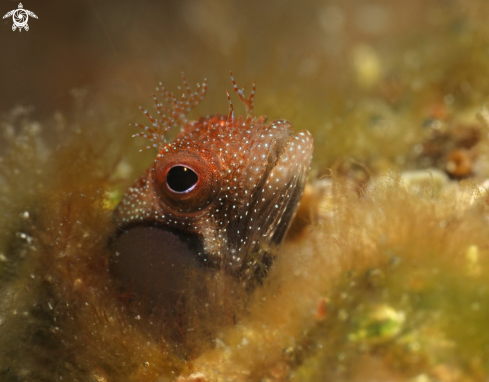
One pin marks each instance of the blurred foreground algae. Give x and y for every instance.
(410, 300)
(52, 323)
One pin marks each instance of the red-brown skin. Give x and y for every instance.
(251, 175)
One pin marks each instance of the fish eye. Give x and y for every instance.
(181, 179)
(186, 180)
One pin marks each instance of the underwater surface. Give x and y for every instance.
(383, 273)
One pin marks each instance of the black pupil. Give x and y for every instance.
(181, 178)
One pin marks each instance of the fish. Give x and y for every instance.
(220, 196)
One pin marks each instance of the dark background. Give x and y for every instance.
(130, 45)
(312, 60)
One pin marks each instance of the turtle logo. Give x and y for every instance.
(20, 17)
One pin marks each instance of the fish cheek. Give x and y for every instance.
(154, 267)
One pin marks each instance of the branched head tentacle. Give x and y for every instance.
(175, 113)
(248, 102)
(230, 120)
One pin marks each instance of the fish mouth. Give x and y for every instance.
(284, 184)
(296, 183)
(273, 204)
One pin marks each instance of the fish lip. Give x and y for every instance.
(286, 135)
(290, 166)
(298, 165)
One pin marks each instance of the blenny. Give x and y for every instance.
(220, 196)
